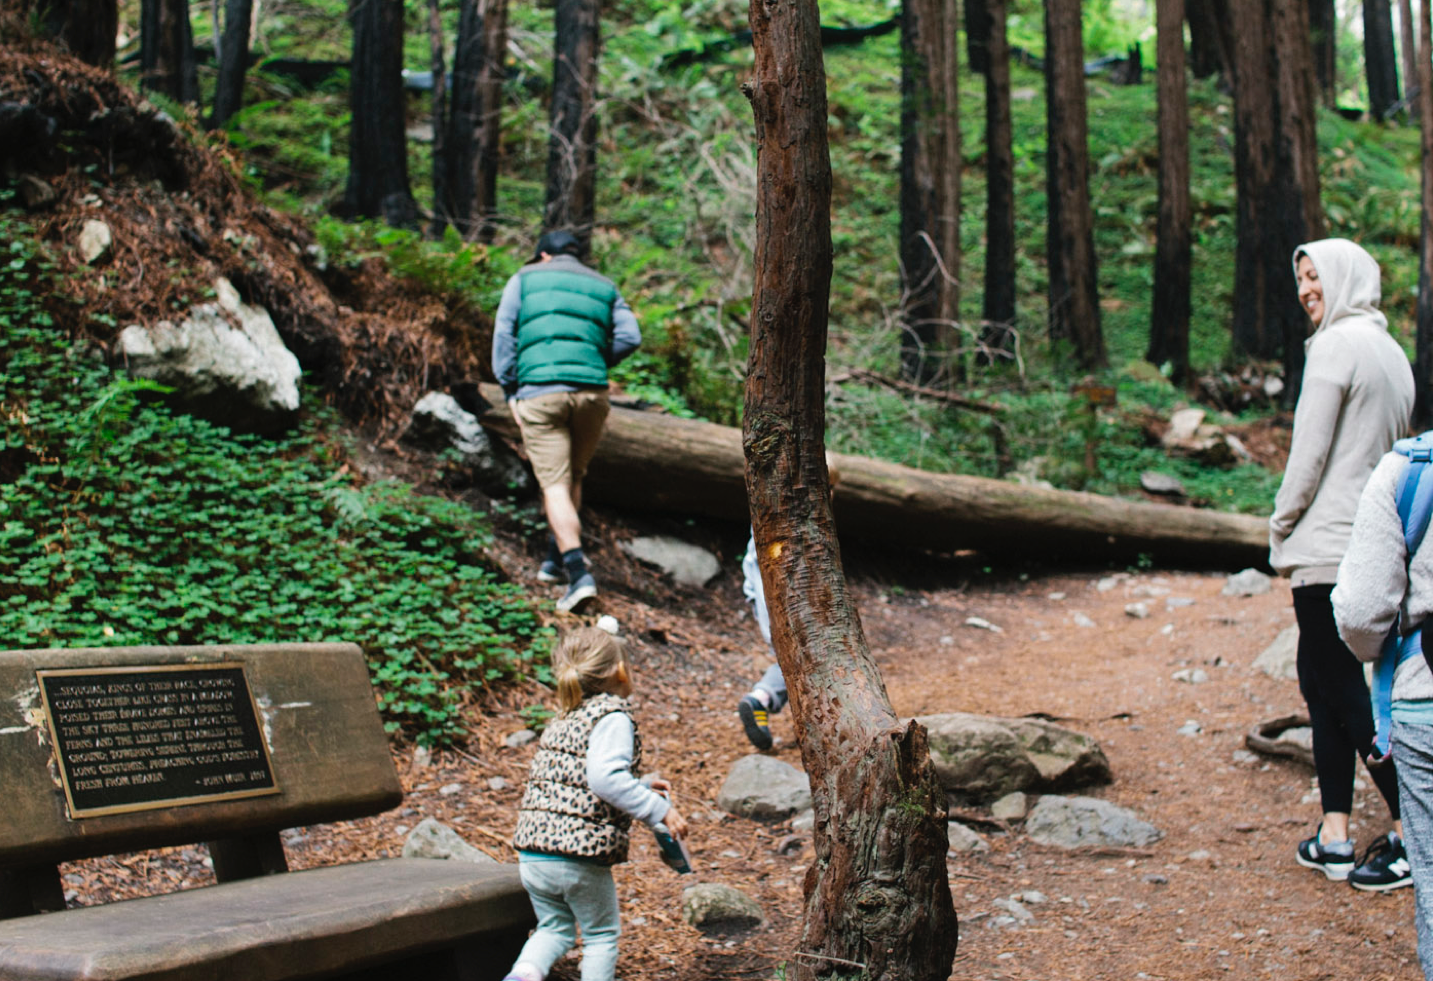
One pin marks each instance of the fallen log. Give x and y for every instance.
(652, 461)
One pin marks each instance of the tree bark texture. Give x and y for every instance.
(1379, 58)
(378, 146)
(1298, 117)
(891, 506)
(1423, 358)
(233, 62)
(1323, 29)
(930, 191)
(997, 333)
(1210, 41)
(572, 144)
(166, 50)
(1169, 313)
(878, 903)
(85, 27)
(444, 202)
(1074, 284)
(488, 138)
(1410, 56)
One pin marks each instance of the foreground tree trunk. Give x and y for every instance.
(85, 27)
(233, 61)
(378, 147)
(997, 334)
(1074, 283)
(1423, 361)
(1169, 314)
(572, 144)
(878, 902)
(930, 191)
(1379, 58)
(166, 50)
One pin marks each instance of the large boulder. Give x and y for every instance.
(687, 564)
(225, 362)
(433, 839)
(1078, 822)
(441, 424)
(764, 788)
(1281, 658)
(981, 758)
(712, 908)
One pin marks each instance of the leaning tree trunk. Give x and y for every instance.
(572, 144)
(997, 335)
(1323, 24)
(1423, 364)
(930, 191)
(377, 143)
(1379, 58)
(488, 137)
(1074, 285)
(878, 902)
(1210, 42)
(166, 50)
(233, 61)
(1169, 314)
(85, 27)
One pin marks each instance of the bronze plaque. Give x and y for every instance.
(136, 738)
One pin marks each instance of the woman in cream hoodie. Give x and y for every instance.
(1356, 399)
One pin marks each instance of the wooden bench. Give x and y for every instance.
(163, 746)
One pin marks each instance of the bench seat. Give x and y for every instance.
(318, 923)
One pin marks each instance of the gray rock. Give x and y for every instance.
(1191, 676)
(687, 564)
(765, 789)
(433, 839)
(1281, 658)
(1161, 483)
(805, 821)
(497, 783)
(36, 192)
(712, 907)
(964, 840)
(1183, 424)
(980, 758)
(1075, 822)
(1016, 909)
(439, 423)
(1177, 602)
(1140, 611)
(241, 377)
(94, 241)
(522, 737)
(1250, 582)
(1011, 807)
(1190, 728)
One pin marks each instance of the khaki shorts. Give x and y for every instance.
(560, 433)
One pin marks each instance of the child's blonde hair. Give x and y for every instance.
(584, 662)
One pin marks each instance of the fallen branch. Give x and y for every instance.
(910, 388)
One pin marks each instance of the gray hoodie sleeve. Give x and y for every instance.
(626, 335)
(609, 771)
(505, 336)
(1373, 577)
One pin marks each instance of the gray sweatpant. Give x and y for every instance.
(1413, 752)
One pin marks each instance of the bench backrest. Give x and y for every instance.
(315, 706)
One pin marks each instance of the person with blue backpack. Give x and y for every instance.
(1381, 603)
(1355, 399)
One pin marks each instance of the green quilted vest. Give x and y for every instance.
(564, 327)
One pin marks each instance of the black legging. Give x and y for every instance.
(1331, 681)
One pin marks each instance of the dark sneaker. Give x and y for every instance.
(551, 571)
(1334, 861)
(1383, 867)
(754, 721)
(578, 593)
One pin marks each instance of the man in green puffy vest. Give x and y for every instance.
(559, 327)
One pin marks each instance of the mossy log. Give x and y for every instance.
(653, 461)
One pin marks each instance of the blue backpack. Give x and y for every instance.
(1415, 509)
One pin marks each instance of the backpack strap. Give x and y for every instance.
(1415, 510)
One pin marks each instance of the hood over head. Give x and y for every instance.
(1350, 279)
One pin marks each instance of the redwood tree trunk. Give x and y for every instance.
(877, 895)
(1210, 41)
(233, 61)
(997, 334)
(1323, 25)
(1410, 55)
(85, 27)
(166, 50)
(572, 146)
(378, 147)
(445, 203)
(488, 138)
(930, 190)
(1169, 315)
(1379, 58)
(1423, 363)
(1074, 285)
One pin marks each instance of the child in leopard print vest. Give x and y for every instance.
(579, 803)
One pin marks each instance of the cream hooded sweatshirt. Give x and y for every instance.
(1356, 399)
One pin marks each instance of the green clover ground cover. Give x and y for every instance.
(122, 523)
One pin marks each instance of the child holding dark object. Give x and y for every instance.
(576, 812)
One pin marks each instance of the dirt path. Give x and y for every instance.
(1218, 897)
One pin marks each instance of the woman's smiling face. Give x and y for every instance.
(1311, 290)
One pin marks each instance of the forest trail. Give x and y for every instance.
(1219, 896)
